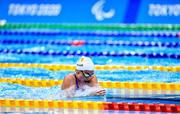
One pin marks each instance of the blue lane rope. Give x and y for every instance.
(95, 34)
(84, 53)
(94, 42)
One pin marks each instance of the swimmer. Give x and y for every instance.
(83, 76)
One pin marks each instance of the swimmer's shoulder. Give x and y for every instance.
(69, 77)
(68, 81)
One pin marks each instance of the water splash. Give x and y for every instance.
(16, 91)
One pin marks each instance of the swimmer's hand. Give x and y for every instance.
(99, 92)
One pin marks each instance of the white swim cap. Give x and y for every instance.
(85, 63)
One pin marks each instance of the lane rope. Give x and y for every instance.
(105, 84)
(93, 42)
(84, 53)
(92, 34)
(91, 26)
(57, 67)
(91, 105)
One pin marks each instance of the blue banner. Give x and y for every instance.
(91, 11)
(159, 11)
(81, 11)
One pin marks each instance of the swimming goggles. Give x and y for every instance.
(87, 75)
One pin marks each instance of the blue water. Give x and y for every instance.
(17, 91)
(88, 48)
(121, 75)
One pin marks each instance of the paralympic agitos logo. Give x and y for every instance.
(97, 11)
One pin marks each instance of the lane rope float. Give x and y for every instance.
(105, 84)
(84, 53)
(57, 67)
(91, 105)
(91, 34)
(93, 42)
(90, 26)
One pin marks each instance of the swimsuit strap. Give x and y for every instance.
(77, 86)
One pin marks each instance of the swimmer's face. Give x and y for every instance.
(86, 75)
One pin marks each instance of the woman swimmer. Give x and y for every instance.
(84, 75)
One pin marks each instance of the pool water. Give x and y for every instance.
(16, 91)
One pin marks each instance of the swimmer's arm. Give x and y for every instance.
(67, 86)
(66, 83)
(94, 82)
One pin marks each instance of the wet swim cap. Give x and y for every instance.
(85, 63)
